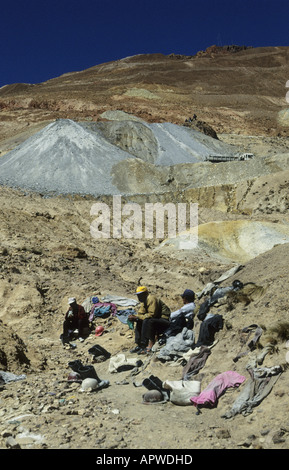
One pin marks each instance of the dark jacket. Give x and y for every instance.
(79, 315)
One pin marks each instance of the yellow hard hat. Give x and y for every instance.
(141, 289)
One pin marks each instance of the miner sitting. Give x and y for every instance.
(75, 321)
(181, 318)
(151, 320)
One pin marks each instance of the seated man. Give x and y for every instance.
(187, 310)
(183, 317)
(152, 319)
(75, 319)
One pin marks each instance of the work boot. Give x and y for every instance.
(154, 383)
(85, 372)
(99, 351)
(137, 348)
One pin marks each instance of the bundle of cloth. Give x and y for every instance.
(101, 309)
(210, 395)
(177, 345)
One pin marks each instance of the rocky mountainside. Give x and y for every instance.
(128, 127)
(239, 90)
(47, 255)
(67, 157)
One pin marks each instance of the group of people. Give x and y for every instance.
(152, 320)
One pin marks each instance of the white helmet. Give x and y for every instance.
(88, 384)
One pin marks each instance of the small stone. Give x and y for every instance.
(277, 438)
(27, 440)
(11, 443)
(223, 434)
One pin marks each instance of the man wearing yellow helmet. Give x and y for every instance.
(152, 318)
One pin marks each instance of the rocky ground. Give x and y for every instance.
(47, 255)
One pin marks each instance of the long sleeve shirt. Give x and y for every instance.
(153, 308)
(80, 314)
(187, 310)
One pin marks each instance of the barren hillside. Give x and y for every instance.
(239, 91)
(109, 122)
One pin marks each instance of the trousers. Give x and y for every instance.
(147, 330)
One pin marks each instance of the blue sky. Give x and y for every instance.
(40, 39)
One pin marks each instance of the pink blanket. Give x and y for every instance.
(209, 396)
